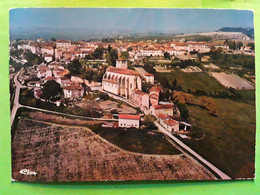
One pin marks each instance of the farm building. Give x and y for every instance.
(128, 121)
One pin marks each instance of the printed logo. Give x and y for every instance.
(27, 172)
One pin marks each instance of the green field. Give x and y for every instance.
(193, 81)
(230, 137)
(136, 140)
(248, 96)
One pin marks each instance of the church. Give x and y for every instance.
(120, 80)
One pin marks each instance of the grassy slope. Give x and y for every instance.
(193, 81)
(230, 137)
(137, 140)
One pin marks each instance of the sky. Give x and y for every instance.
(115, 20)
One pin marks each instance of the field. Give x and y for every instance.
(67, 153)
(248, 96)
(230, 137)
(231, 80)
(192, 80)
(136, 140)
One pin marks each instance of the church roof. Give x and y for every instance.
(121, 71)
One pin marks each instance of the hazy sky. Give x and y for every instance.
(133, 20)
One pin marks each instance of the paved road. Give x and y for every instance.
(204, 162)
(16, 103)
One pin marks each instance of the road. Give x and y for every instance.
(192, 153)
(16, 103)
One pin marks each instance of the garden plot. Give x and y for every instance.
(191, 69)
(109, 105)
(232, 80)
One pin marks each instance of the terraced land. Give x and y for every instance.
(70, 153)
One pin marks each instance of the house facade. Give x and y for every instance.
(128, 121)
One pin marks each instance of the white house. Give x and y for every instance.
(48, 58)
(128, 121)
(73, 92)
(149, 78)
(166, 109)
(151, 52)
(168, 123)
(63, 43)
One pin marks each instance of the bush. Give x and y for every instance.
(183, 110)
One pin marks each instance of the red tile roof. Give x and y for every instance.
(128, 116)
(121, 71)
(139, 92)
(171, 122)
(155, 88)
(163, 116)
(64, 78)
(148, 74)
(62, 41)
(163, 106)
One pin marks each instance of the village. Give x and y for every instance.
(120, 88)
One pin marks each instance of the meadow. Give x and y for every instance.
(230, 136)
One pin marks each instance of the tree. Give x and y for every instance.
(98, 53)
(112, 56)
(33, 58)
(183, 110)
(146, 87)
(251, 45)
(209, 104)
(129, 49)
(148, 66)
(167, 55)
(183, 97)
(89, 74)
(74, 67)
(53, 39)
(125, 55)
(149, 122)
(239, 45)
(51, 90)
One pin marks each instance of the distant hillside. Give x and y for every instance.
(248, 31)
